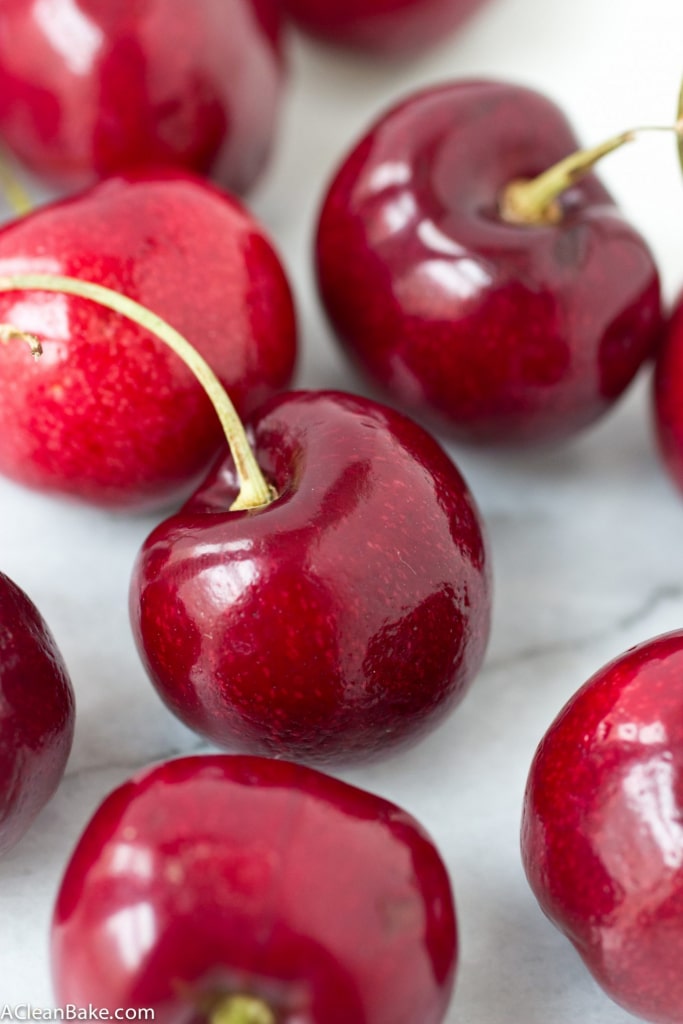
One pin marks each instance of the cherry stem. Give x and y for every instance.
(9, 333)
(254, 490)
(14, 192)
(241, 1010)
(535, 201)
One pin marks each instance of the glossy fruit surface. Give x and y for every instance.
(497, 332)
(109, 414)
(211, 877)
(602, 840)
(89, 88)
(392, 27)
(668, 395)
(345, 617)
(36, 713)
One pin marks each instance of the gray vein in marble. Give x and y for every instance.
(661, 595)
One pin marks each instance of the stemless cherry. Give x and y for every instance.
(36, 713)
(602, 840)
(236, 890)
(395, 28)
(90, 88)
(668, 395)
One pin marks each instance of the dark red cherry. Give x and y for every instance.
(90, 88)
(346, 616)
(36, 713)
(237, 890)
(396, 28)
(498, 323)
(602, 839)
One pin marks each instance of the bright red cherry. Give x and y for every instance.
(36, 713)
(668, 395)
(393, 27)
(340, 619)
(108, 414)
(238, 890)
(500, 323)
(89, 88)
(602, 839)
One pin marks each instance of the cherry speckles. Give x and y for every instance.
(346, 616)
(109, 414)
(602, 839)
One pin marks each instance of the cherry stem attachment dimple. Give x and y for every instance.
(241, 1010)
(536, 201)
(254, 490)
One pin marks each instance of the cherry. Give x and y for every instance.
(668, 395)
(36, 713)
(245, 891)
(477, 282)
(89, 88)
(108, 415)
(392, 27)
(601, 838)
(344, 615)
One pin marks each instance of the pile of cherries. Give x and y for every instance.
(487, 284)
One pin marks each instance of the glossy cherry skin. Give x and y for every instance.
(109, 414)
(344, 618)
(389, 27)
(668, 395)
(89, 88)
(214, 876)
(498, 333)
(602, 840)
(36, 713)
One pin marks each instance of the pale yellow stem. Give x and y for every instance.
(254, 490)
(241, 1010)
(536, 201)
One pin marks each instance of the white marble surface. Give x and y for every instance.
(585, 540)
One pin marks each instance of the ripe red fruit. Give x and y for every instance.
(497, 331)
(89, 88)
(601, 838)
(109, 414)
(36, 713)
(237, 889)
(393, 27)
(345, 617)
(668, 395)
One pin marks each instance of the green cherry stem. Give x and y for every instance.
(254, 490)
(241, 1010)
(536, 201)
